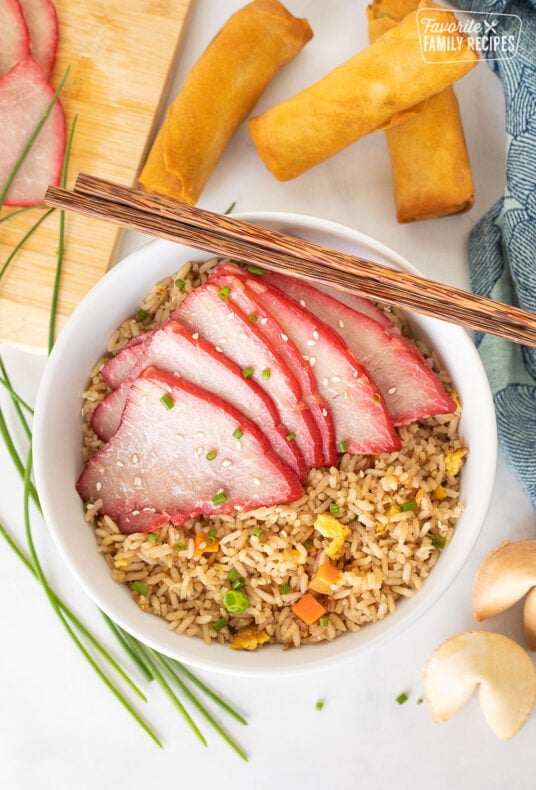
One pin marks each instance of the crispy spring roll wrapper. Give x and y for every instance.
(358, 97)
(429, 160)
(219, 92)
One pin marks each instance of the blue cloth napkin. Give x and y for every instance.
(502, 246)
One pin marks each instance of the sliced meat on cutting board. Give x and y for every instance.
(119, 367)
(229, 275)
(412, 391)
(14, 36)
(176, 456)
(173, 349)
(24, 96)
(362, 423)
(42, 23)
(207, 311)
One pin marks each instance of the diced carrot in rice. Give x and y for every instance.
(326, 579)
(204, 545)
(308, 609)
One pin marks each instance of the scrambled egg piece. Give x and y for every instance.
(440, 492)
(249, 638)
(120, 563)
(330, 527)
(454, 461)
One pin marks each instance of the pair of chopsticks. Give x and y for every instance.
(232, 238)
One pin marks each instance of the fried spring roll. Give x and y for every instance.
(219, 92)
(360, 96)
(429, 161)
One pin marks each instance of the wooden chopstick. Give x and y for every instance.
(229, 237)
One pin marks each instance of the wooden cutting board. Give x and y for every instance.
(121, 56)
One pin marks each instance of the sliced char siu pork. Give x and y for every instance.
(172, 348)
(181, 452)
(14, 36)
(208, 311)
(412, 391)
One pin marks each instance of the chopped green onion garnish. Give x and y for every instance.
(411, 505)
(219, 624)
(233, 575)
(438, 542)
(343, 447)
(247, 372)
(320, 704)
(238, 433)
(211, 455)
(180, 545)
(255, 270)
(219, 498)
(238, 583)
(140, 588)
(376, 397)
(235, 601)
(252, 317)
(266, 373)
(167, 401)
(290, 436)
(212, 537)
(308, 544)
(179, 284)
(231, 208)
(224, 292)
(333, 508)
(285, 588)
(324, 621)
(87, 505)
(257, 531)
(153, 537)
(141, 315)
(402, 698)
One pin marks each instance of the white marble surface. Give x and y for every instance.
(60, 728)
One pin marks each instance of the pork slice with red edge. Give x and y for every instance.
(120, 366)
(177, 454)
(172, 348)
(362, 423)
(24, 97)
(14, 35)
(412, 391)
(208, 311)
(42, 22)
(230, 275)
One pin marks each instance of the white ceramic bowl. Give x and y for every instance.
(57, 440)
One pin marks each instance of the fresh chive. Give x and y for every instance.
(31, 140)
(405, 506)
(252, 317)
(308, 544)
(224, 292)
(290, 436)
(235, 601)
(334, 508)
(12, 214)
(140, 588)
(141, 315)
(206, 690)
(219, 498)
(247, 372)
(402, 698)
(238, 433)
(231, 208)
(324, 621)
(153, 537)
(167, 401)
(238, 583)
(212, 537)
(18, 403)
(211, 455)
(266, 373)
(320, 704)
(179, 284)
(23, 241)
(257, 531)
(233, 575)
(219, 624)
(61, 243)
(180, 545)
(285, 588)
(255, 270)
(343, 447)
(438, 542)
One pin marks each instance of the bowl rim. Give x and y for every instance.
(309, 657)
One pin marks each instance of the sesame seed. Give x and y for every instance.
(312, 361)
(341, 324)
(135, 512)
(256, 481)
(264, 321)
(231, 315)
(302, 302)
(392, 391)
(135, 459)
(198, 451)
(355, 374)
(137, 481)
(195, 336)
(305, 357)
(335, 379)
(120, 463)
(200, 435)
(243, 336)
(180, 436)
(315, 335)
(284, 337)
(325, 412)
(238, 508)
(98, 486)
(226, 463)
(325, 381)
(311, 342)
(220, 349)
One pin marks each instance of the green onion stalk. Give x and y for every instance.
(169, 674)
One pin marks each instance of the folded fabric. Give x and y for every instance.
(502, 246)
